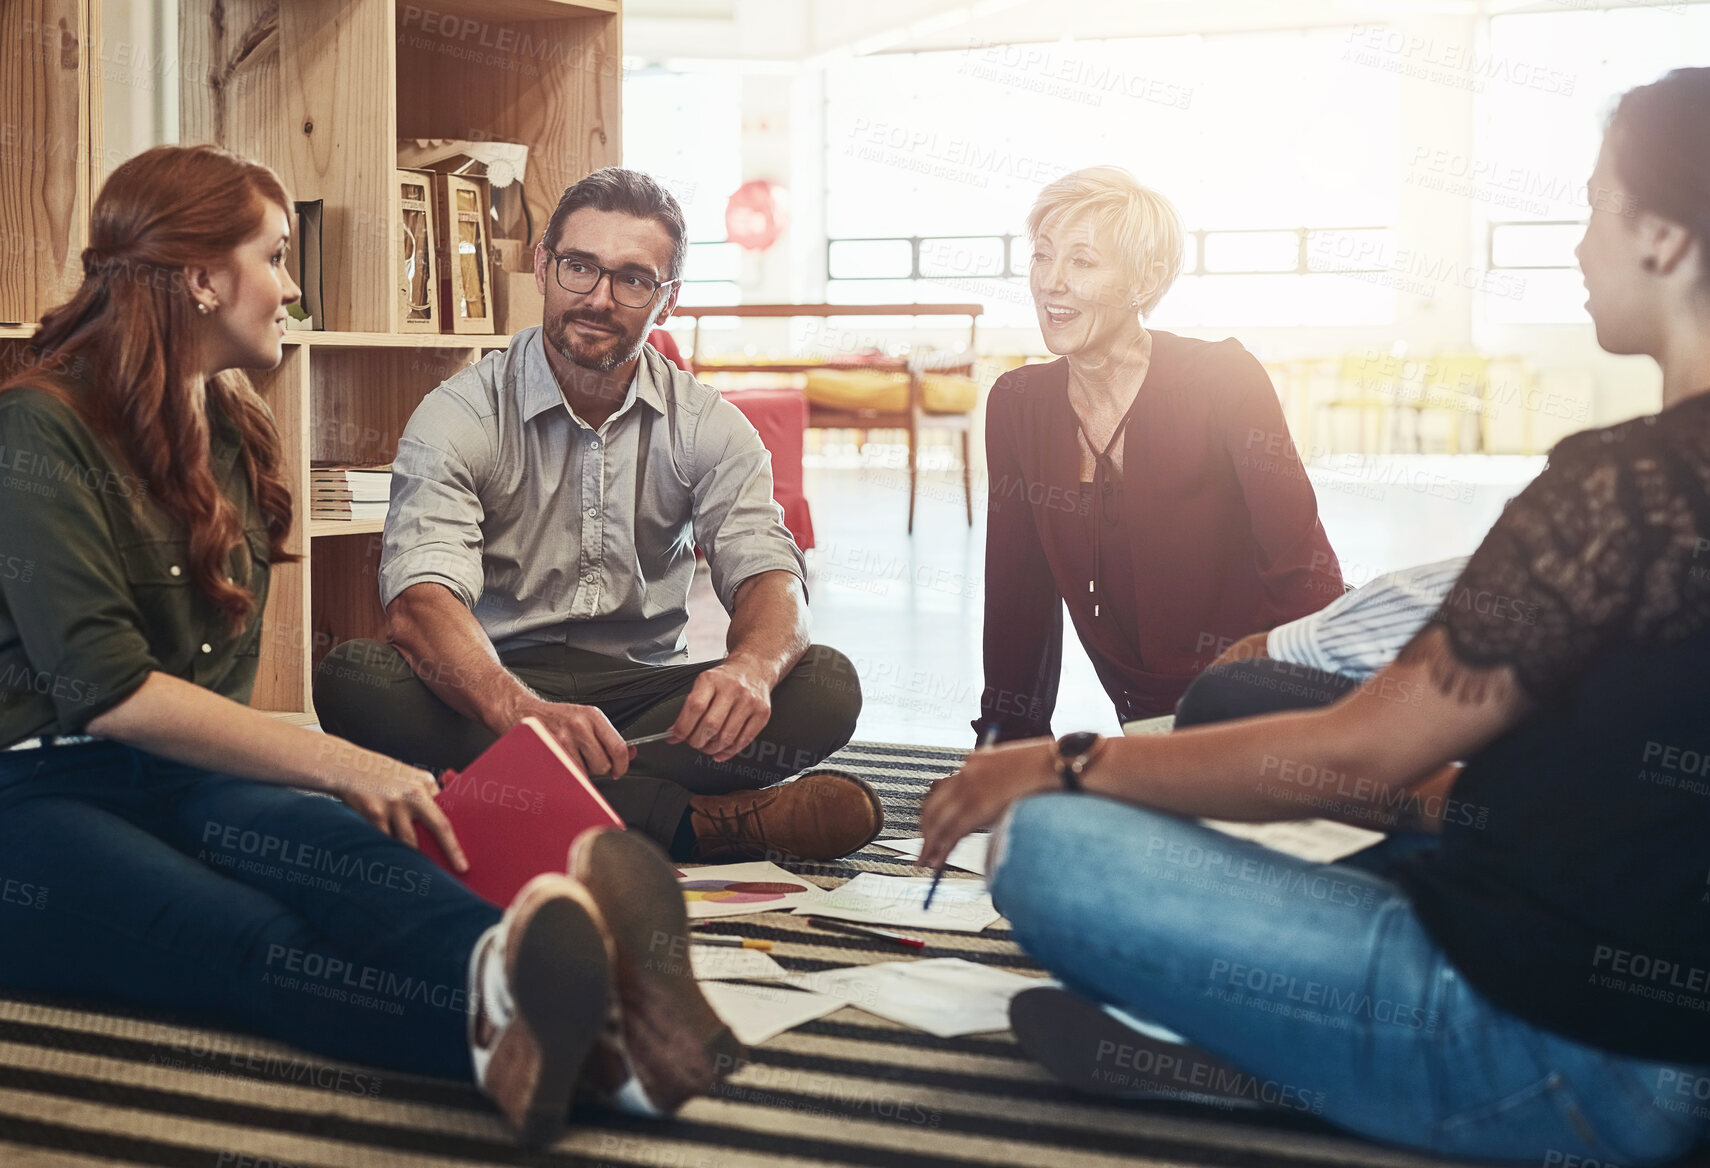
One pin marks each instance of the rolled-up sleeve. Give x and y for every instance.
(433, 526)
(70, 600)
(738, 524)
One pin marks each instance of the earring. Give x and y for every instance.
(205, 308)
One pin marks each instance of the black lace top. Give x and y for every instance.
(1573, 890)
(1608, 543)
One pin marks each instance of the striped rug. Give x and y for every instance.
(88, 1087)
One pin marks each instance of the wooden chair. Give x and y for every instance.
(912, 419)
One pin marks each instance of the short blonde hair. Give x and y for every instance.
(1144, 224)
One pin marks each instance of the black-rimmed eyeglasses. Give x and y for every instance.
(580, 276)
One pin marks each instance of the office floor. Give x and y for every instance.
(907, 610)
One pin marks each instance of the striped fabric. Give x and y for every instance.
(1361, 631)
(84, 1086)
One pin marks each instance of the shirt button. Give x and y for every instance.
(593, 511)
(176, 570)
(595, 444)
(207, 648)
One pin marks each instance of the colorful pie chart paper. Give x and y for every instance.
(733, 890)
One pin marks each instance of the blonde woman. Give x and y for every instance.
(1145, 478)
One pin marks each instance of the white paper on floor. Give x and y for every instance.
(757, 1013)
(1322, 841)
(969, 854)
(944, 996)
(719, 963)
(734, 890)
(961, 906)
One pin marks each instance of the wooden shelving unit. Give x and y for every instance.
(333, 528)
(321, 91)
(50, 106)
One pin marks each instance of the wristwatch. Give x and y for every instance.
(1075, 753)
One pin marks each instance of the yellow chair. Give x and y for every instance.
(931, 397)
(1369, 383)
(1457, 384)
(887, 393)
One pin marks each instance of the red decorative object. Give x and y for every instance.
(757, 214)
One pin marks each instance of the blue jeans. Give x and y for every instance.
(1318, 980)
(130, 880)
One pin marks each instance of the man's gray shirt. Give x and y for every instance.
(555, 533)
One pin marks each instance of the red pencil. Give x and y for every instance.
(867, 931)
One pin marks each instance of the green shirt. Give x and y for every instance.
(95, 587)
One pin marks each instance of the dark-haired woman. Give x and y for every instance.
(1537, 985)
(158, 839)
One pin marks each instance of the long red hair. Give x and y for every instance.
(133, 327)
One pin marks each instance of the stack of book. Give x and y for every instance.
(349, 492)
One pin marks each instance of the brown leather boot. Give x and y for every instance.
(820, 816)
(541, 984)
(665, 1045)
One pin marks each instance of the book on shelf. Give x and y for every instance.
(345, 509)
(371, 484)
(349, 492)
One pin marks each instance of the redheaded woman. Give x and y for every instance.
(177, 859)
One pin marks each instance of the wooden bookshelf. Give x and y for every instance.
(333, 528)
(321, 91)
(50, 103)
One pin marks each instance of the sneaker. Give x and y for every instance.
(821, 816)
(666, 1045)
(540, 984)
(1087, 1047)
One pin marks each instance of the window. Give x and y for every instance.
(1547, 91)
(933, 160)
(699, 161)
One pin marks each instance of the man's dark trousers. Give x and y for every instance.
(366, 692)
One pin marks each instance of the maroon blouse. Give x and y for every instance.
(1215, 513)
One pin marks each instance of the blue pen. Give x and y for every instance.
(987, 737)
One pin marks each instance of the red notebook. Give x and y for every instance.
(516, 810)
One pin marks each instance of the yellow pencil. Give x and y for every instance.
(733, 942)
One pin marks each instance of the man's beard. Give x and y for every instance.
(600, 357)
